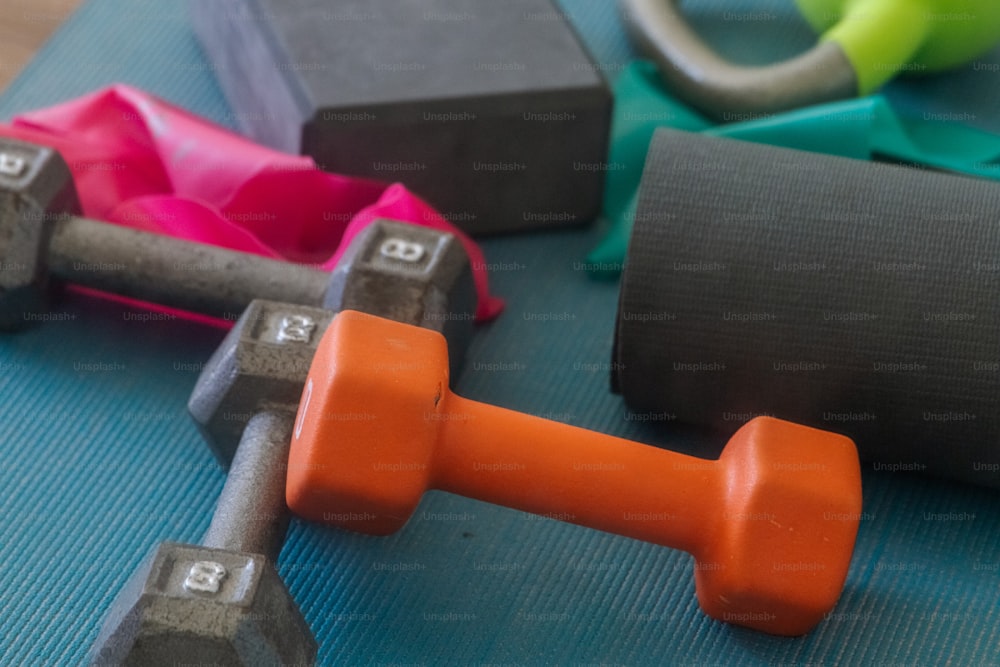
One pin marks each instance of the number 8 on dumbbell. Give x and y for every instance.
(11, 165)
(413, 268)
(405, 251)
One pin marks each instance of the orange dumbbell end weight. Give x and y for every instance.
(771, 523)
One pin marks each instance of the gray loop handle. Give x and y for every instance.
(696, 74)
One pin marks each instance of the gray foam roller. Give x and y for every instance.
(852, 296)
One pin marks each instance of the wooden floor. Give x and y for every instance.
(24, 27)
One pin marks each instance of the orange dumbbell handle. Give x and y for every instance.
(572, 474)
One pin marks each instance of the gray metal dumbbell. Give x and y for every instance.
(222, 602)
(245, 401)
(40, 240)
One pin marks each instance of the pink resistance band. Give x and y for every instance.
(140, 162)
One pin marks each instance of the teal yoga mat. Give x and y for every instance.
(98, 460)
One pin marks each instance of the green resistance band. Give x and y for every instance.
(863, 129)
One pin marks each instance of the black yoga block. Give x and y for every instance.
(856, 297)
(491, 111)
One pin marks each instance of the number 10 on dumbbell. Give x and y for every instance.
(772, 523)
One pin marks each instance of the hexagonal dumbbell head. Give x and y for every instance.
(375, 386)
(194, 605)
(36, 186)
(409, 274)
(790, 497)
(262, 363)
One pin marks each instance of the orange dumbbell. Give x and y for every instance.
(772, 523)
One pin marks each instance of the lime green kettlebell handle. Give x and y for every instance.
(864, 44)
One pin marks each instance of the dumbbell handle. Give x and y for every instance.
(174, 272)
(251, 515)
(600, 481)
